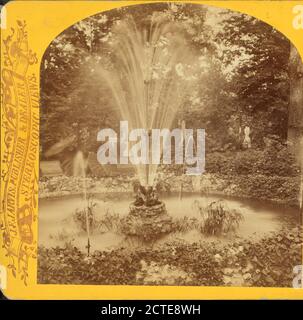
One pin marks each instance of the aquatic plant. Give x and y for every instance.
(109, 222)
(185, 224)
(82, 215)
(217, 218)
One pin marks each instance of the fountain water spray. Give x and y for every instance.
(79, 170)
(150, 76)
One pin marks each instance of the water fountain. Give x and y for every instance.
(149, 80)
(151, 76)
(79, 170)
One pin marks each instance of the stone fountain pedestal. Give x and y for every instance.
(147, 223)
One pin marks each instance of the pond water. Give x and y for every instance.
(57, 226)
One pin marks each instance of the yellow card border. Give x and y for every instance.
(36, 24)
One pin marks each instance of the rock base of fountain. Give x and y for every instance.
(147, 222)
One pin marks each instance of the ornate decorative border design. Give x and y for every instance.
(19, 140)
(20, 150)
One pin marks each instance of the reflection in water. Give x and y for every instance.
(56, 225)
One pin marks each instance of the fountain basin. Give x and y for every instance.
(56, 226)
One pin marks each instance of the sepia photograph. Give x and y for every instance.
(170, 138)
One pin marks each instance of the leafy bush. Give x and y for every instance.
(274, 188)
(270, 161)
